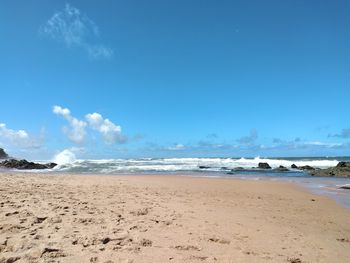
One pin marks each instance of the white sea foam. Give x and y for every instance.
(65, 157)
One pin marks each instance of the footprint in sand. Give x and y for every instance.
(11, 213)
(140, 212)
(219, 240)
(145, 242)
(39, 219)
(187, 247)
(49, 252)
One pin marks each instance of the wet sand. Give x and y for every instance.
(95, 218)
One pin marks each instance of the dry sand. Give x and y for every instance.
(85, 218)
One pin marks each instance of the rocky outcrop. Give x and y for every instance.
(203, 167)
(3, 154)
(25, 165)
(342, 169)
(306, 167)
(21, 164)
(264, 166)
(332, 171)
(281, 168)
(343, 164)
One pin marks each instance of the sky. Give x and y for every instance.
(132, 79)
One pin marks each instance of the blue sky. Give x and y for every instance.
(175, 78)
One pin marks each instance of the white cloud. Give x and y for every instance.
(345, 134)
(19, 138)
(62, 111)
(177, 147)
(76, 131)
(99, 51)
(251, 138)
(325, 144)
(75, 29)
(111, 133)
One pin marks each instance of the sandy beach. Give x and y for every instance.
(100, 218)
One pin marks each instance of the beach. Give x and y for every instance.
(118, 218)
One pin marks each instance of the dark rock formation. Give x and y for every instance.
(306, 167)
(343, 164)
(281, 168)
(264, 166)
(203, 167)
(3, 154)
(346, 186)
(50, 165)
(332, 171)
(25, 165)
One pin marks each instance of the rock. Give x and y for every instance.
(343, 164)
(203, 167)
(332, 171)
(50, 165)
(264, 166)
(306, 167)
(293, 166)
(25, 165)
(345, 186)
(3, 154)
(281, 168)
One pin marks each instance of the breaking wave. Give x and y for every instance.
(66, 157)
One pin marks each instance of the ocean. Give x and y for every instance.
(213, 166)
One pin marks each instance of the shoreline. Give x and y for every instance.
(145, 218)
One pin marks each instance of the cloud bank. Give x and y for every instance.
(344, 134)
(249, 139)
(77, 130)
(19, 138)
(177, 147)
(75, 29)
(110, 132)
